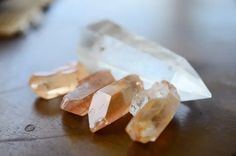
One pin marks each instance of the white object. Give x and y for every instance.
(108, 46)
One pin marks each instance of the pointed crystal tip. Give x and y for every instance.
(78, 101)
(112, 102)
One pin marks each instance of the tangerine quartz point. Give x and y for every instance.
(113, 101)
(153, 109)
(52, 84)
(78, 101)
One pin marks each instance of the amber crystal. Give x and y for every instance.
(49, 85)
(113, 101)
(78, 101)
(153, 110)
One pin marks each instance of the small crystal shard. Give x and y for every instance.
(153, 109)
(124, 53)
(113, 101)
(78, 101)
(58, 82)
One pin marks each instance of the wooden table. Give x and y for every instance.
(203, 31)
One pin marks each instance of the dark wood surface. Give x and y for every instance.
(203, 31)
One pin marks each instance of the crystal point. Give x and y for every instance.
(78, 101)
(49, 85)
(153, 109)
(114, 48)
(113, 101)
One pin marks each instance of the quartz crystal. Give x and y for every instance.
(111, 47)
(113, 101)
(153, 109)
(78, 101)
(58, 82)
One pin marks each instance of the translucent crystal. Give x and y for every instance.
(158, 90)
(124, 53)
(138, 102)
(78, 101)
(112, 102)
(152, 115)
(49, 85)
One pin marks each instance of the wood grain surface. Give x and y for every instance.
(203, 31)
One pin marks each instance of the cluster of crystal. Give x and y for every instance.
(153, 109)
(78, 101)
(49, 85)
(112, 47)
(18, 16)
(113, 101)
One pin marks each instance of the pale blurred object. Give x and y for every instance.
(17, 16)
(58, 82)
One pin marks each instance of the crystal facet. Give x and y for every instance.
(124, 53)
(78, 101)
(58, 82)
(153, 109)
(113, 101)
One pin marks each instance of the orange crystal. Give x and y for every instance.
(78, 101)
(49, 85)
(157, 106)
(113, 101)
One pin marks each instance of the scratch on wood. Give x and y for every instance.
(29, 139)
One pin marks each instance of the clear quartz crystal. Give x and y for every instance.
(152, 115)
(113, 101)
(52, 84)
(111, 47)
